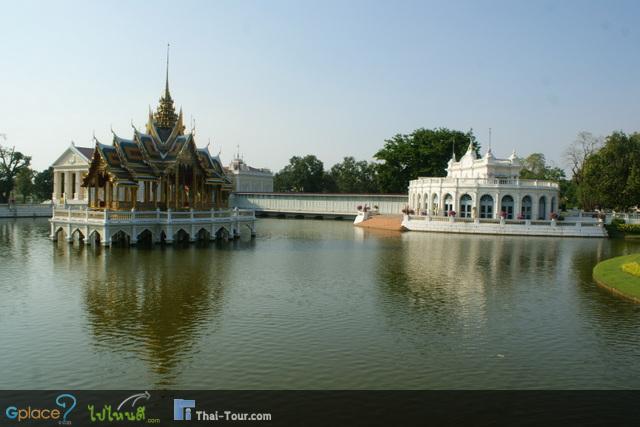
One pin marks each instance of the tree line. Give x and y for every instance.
(605, 172)
(18, 179)
(424, 152)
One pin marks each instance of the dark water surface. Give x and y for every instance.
(313, 305)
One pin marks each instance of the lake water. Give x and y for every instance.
(313, 305)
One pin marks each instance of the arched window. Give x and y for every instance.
(486, 206)
(506, 207)
(425, 202)
(434, 204)
(553, 204)
(465, 206)
(448, 204)
(417, 205)
(525, 210)
(542, 208)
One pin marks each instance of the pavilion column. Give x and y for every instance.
(497, 205)
(155, 194)
(78, 196)
(67, 186)
(177, 186)
(88, 196)
(192, 191)
(134, 196)
(107, 195)
(96, 192)
(56, 186)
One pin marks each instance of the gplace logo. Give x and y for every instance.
(65, 401)
(182, 409)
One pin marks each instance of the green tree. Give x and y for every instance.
(24, 183)
(579, 151)
(534, 166)
(568, 194)
(43, 184)
(302, 174)
(351, 176)
(11, 162)
(424, 152)
(610, 176)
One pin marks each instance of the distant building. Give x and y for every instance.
(484, 188)
(247, 179)
(69, 171)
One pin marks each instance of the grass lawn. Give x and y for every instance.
(609, 274)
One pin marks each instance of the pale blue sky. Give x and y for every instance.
(326, 78)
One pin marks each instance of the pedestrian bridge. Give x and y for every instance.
(317, 205)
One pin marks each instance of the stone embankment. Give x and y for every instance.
(25, 210)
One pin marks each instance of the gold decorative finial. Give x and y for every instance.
(165, 116)
(166, 87)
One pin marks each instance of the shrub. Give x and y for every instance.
(554, 215)
(359, 207)
(632, 268)
(617, 221)
(452, 213)
(629, 228)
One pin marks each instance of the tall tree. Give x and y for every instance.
(11, 161)
(43, 184)
(579, 151)
(424, 152)
(351, 176)
(534, 166)
(24, 183)
(302, 174)
(610, 176)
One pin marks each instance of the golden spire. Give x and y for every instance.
(165, 116)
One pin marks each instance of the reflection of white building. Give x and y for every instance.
(68, 172)
(484, 188)
(249, 180)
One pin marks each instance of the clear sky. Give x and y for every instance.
(319, 77)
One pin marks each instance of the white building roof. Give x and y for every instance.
(488, 166)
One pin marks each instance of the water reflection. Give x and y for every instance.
(154, 302)
(314, 304)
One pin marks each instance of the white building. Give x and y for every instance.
(484, 188)
(247, 179)
(68, 172)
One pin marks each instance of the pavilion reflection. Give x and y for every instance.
(154, 302)
(456, 282)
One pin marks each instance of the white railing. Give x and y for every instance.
(522, 183)
(588, 222)
(133, 216)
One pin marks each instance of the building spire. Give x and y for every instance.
(166, 88)
(453, 149)
(165, 115)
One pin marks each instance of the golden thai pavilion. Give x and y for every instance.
(160, 168)
(157, 186)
